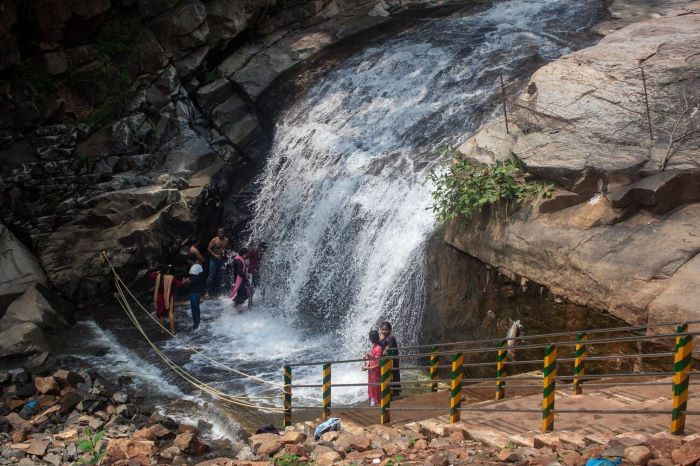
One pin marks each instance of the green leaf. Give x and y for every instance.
(85, 445)
(99, 436)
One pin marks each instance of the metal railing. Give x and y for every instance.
(681, 340)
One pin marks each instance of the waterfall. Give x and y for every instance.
(343, 200)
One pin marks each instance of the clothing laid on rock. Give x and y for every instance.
(390, 342)
(239, 292)
(197, 285)
(373, 374)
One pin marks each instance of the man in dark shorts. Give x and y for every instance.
(388, 343)
(239, 291)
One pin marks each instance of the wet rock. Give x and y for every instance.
(234, 120)
(189, 443)
(47, 385)
(33, 306)
(67, 378)
(182, 28)
(22, 339)
(214, 93)
(120, 397)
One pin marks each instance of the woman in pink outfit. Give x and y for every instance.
(372, 368)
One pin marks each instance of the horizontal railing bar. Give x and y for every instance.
(519, 347)
(616, 384)
(621, 374)
(556, 334)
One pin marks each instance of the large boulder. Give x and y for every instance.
(21, 340)
(622, 234)
(33, 306)
(20, 268)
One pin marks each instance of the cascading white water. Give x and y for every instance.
(343, 200)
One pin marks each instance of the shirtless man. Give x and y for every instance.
(194, 250)
(216, 248)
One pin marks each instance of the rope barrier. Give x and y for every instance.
(246, 401)
(189, 348)
(179, 370)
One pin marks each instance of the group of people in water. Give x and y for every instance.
(244, 267)
(383, 343)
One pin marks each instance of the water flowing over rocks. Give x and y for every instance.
(125, 123)
(619, 233)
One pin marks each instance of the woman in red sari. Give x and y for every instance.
(163, 295)
(372, 368)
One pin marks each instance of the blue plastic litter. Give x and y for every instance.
(603, 462)
(331, 425)
(30, 404)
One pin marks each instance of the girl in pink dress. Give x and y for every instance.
(372, 368)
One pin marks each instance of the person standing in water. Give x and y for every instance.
(196, 287)
(390, 348)
(163, 296)
(217, 246)
(372, 368)
(239, 292)
(254, 258)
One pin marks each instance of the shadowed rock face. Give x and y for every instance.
(622, 235)
(125, 124)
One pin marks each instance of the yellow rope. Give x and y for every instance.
(179, 370)
(213, 361)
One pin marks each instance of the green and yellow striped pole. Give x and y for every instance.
(549, 373)
(433, 370)
(456, 387)
(579, 361)
(385, 379)
(501, 371)
(681, 379)
(326, 391)
(287, 396)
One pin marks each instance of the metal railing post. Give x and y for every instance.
(386, 366)
(433, 370)
(501, 371)
(681, 365)
(287, 396)
(326, 391)
(549, 373)
(456, 387)
(580, 362)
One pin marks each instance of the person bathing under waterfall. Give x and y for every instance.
(217, 246)
(196, 287)
(163, 295)
(254, 258)
(239, 290)
(372, 368)
(390, 348)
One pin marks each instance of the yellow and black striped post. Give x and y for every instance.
(287, 396)
(433, 370)
(681, 379)
(326, 391)
(385, 378)
(501, 371)
(579, 361)
(549, 373)
(456, 387)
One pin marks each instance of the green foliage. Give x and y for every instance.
(289, 459)
(463, 188)
(91, 443)
(411, 442)
(395, 461)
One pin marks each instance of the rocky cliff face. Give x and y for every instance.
(620, 233)
(125, 122)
